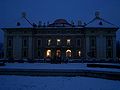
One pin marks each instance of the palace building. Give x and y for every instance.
(95, 39)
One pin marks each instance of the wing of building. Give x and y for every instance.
(96, 39)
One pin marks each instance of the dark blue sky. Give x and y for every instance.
(49, 10)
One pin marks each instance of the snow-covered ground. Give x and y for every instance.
(56, 83)
(43, 66)
(54, 66)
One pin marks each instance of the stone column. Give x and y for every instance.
(17, 47)
(5, 45)
(114, 47)
(98, 40)
(103, 47)
(87, 46)
(30, 48)
(99, 46)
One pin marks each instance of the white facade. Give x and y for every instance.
(63, 39)
(99, 43)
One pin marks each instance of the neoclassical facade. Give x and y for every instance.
(62, 39)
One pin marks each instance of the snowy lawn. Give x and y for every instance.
(56, 83)
(54, 66)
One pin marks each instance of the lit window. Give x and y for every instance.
(79, 53)
(48, 54)
(58, 53)
(68, 41)
(68, 53)
(49, 42)
(58, 41)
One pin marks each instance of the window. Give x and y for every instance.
(24, 43)
(93, 53)
(38, 42)
(78, 42)
(25, 53)
(10, 32)
(68, 41)
(49, 42)
(9, 43)
(68, 53)
(93, 41)
(58, 41)
(38, 53)
(48, 53)
(58, 53)
(79, 53)
(109, 41)
(109, 53)
(10, 53)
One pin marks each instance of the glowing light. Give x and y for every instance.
(49, 42)
(58, 53)
(68, 53)
(79, 53)
(48, 53)
(58, 41)
(68, 41)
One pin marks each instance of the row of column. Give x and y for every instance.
(100, 42)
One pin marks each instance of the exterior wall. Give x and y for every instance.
(114, 46)
(101, 45)
(63, 34)
(5, 44)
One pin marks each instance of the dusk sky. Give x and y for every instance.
(49, 10)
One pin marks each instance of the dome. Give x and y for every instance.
(60, 21)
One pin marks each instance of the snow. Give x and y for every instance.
(96, 23)
(42, 66)
(56, 83)
(69, 66)
(12, 82)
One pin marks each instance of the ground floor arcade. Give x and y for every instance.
(58, 52)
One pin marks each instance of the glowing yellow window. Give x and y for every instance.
(48, 53)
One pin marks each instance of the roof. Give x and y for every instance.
(99, 22)
(60, 23)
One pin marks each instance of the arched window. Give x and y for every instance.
(58, 53)
(68, 53)
(48, 53)
(79, 53)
